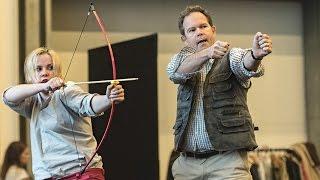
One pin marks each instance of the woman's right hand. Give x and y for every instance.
(53, 84)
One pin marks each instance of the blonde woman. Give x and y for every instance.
(59, 116)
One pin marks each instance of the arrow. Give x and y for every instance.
(115, 81)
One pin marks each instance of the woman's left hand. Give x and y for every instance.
(115, 93)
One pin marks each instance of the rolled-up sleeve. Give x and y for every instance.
(176, 60)
(78, 100)
(237, 66)
(24, 108)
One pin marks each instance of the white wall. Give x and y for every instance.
(9, 54)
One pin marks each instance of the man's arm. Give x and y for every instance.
(243, 75)
(194, 62)
(186, 63)
(261, 47)
(175, 62)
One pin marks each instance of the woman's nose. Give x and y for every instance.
(44, 72)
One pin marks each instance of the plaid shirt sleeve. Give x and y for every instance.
(237, 66)
(176, 60)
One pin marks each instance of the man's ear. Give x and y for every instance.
(213, 28)
(183, 38)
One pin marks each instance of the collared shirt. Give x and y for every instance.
(197, 139)
(55, 124)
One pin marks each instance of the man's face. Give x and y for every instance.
(198, 32)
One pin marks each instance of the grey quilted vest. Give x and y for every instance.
(227, 118)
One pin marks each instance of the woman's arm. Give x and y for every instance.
(17, 94)
(114, 93)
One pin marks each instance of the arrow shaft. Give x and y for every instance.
(103, 81)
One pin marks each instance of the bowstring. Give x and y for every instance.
(64, 77)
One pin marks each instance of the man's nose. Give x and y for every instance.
(199, 31)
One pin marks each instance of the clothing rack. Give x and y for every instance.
(287, 150)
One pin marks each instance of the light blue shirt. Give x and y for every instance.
(54, 124)
(197, 139)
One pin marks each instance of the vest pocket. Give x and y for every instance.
(233, 125)
(184, 93)
(183, 107)
(222, 96)
(222, 87)
(177, 126)
(220, 77)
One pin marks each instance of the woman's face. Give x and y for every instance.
(44, 69)
(24, 157)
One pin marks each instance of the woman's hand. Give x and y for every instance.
(115, 93)
(53, 84)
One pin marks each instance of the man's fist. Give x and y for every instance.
(262, 45)
(218, 49)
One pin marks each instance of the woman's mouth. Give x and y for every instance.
(44, 80)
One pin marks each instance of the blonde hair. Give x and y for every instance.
(30, 64)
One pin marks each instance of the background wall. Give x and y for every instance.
(311, 24)
(9, 71)
(276, 100)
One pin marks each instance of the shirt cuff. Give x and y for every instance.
(186, 76)
(91, 112)
(259, 72)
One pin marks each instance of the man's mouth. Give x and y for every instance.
(202, 41)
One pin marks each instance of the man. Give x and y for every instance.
(213, 129)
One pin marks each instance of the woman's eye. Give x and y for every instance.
(38, 69)
(50, 68)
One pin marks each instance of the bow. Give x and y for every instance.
(114, 77)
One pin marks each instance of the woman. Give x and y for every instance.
(15, 161)
(61, 134)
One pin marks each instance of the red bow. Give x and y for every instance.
(114, 76)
